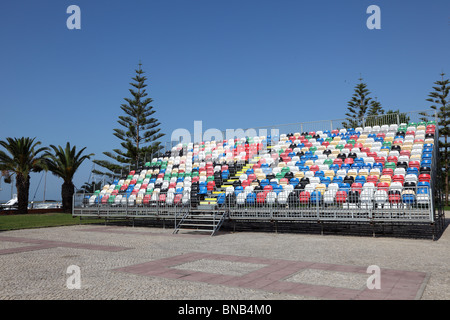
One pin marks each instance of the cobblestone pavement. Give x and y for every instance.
(124, 262)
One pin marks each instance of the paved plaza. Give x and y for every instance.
(151, 263)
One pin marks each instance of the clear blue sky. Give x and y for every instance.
(231, 64)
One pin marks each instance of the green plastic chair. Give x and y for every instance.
(390, 165)
(285, 170)
(279, 175)
(111, 199)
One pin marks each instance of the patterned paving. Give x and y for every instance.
(38, 244)
(303, 278)
(285, 276)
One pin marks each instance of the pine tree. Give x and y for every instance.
(139, 132)
(361, 106)
(375, 113)
(441, 103)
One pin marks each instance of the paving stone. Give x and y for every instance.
(121, 262)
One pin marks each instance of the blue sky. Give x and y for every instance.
(230, 64)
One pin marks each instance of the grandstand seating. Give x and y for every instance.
(373, 167)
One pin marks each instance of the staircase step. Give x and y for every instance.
(201, 230)
(200, 221)
(197, 225)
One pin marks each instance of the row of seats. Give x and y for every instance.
(390, 158)
(363, 195)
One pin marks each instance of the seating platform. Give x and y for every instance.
(373, 174)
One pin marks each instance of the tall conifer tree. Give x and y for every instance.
(360, 106)
(139, 131)
(440, 100)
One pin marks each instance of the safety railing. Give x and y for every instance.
(412, 204)
(158, 205)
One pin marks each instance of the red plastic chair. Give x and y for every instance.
(398, 178)
(261, 197)
(392, 159)
(394, 197)
(349, 161)
(424, 177)
(405, 153)
(341, 197)
(178, 198)
(372, 179)
(414, 164)
(245, 183)
(383, 186)
(210, 186)
(356, 186)
(105, 199)
(304, 197)
(146, 199)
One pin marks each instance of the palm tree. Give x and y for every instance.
(64, 163)
(91, 187)
(24, 157)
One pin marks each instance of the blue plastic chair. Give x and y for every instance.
(251, 198)
(316, 197)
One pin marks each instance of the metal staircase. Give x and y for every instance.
(201, 221)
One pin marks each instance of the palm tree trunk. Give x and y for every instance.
(23, 188)
(67, 191)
